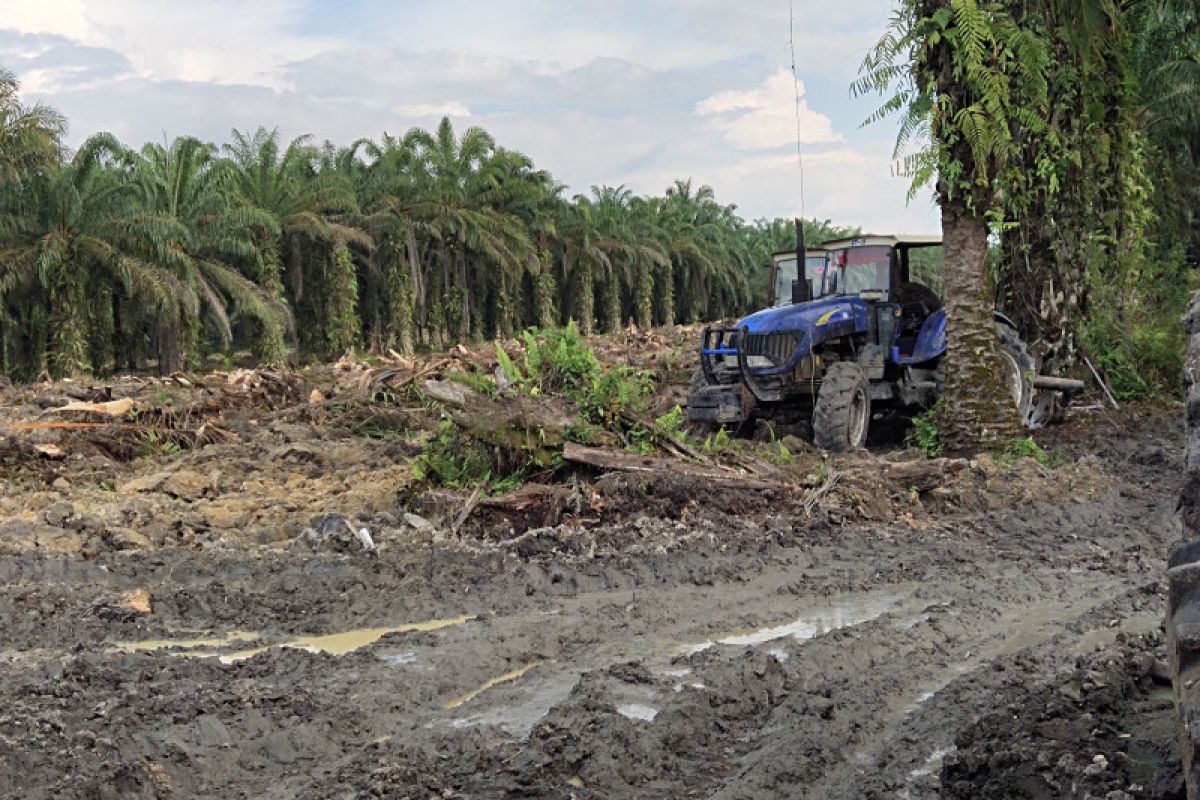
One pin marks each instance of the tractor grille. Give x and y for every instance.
(776, 346)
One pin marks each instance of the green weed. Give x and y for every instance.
(925, 435)
(1023, 447)
(719, 442)
(475, 381)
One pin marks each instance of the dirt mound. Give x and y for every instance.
(1104, 730)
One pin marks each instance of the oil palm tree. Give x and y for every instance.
(962, 77)
(185, 182)
(317, 219)
(457, 179)
(29, 135)
(82, 247)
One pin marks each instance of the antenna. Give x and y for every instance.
(796, 89)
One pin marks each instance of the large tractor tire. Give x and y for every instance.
(843, 410)
(1019, 371)
(699, 428)
(1183, 572)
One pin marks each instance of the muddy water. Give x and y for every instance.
(150, 645)
(507, 677)
(849, 611)
(336, 644)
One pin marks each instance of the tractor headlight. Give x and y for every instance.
(758, 362)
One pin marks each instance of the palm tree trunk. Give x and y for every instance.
(399, 327)
(504, 306)
(667, 293)
(464, 297)
(102, 340)
(585, 305)
(418, 281)
(612, 303)
(341, 324)
(168, 336)
(546, 290)
(68, 341)
(296, 266)
(643, 301)
(976, 407)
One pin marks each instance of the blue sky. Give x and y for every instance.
(608, 91)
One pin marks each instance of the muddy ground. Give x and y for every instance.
(189, 610)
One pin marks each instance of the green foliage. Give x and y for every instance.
(453, 460)
(615, 391)
(820, 474)
(558, 361)
(156, 445)
(718, 443)
(671, 424)
(925, 435)
(476, 381)
(581, 432)
(1024, 447)
(1134, 335)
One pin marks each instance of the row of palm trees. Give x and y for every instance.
(112, 258)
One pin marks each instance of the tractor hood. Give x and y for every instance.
(817, 319)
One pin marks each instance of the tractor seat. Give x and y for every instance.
(917, 301)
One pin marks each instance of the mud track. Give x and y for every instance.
(777, 657)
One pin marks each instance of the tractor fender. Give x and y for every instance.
(931, 339)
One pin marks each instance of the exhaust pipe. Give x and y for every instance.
(801, 288)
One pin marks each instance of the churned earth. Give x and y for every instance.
(204, 619)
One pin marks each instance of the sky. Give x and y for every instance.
(632, 92)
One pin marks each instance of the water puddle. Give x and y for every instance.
(507, 677)
(853, 611)
(150, 645)
(677, 673)
(400, 658)
(679, 687)
(637, 711)
(337, 644)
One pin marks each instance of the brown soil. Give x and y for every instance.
(833, 629)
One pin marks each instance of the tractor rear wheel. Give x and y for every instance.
(843, 409)
(1019, 370)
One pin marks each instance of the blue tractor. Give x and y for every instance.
(852, 339)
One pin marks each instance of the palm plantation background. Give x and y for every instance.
(115, 257)
(1061, 137)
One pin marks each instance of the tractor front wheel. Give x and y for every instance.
(843, 409)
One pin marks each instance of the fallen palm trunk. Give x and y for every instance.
(617, 461)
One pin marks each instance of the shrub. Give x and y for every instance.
(925, 435)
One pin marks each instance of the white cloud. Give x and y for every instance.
(767, 116)
(447, 109)
(616, 93)
(60, 17)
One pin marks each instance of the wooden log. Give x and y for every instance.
(618, 461)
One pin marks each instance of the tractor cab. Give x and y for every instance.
(784, 274)
(884, 269)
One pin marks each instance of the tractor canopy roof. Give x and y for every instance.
(811, 252)
(896, 240)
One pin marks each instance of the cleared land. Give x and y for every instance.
(191, 611)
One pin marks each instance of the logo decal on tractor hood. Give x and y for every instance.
(834, 315)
